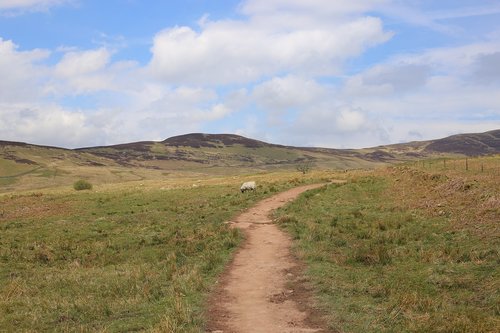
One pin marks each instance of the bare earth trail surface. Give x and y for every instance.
(254, 294)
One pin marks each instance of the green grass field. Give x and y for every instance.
(122, 257)
(29, 168)
(403, 250)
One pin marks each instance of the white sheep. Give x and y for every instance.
(248, 186)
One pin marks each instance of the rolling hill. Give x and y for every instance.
(225, 150)
(468, 144)
(28, 166)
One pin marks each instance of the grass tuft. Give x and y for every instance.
(82, 184)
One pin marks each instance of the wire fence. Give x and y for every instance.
(474, 165)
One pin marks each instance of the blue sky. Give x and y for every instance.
(344, 73)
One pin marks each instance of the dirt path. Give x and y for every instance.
(254, 294)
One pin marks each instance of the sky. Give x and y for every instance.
(325, 73)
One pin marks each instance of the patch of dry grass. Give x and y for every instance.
(469, 199)
(131, 256)
(403, 250)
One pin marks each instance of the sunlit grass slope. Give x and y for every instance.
(404, 249)
(28, 167)
(124, 257)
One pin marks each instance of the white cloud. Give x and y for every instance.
(171, 112)
(456, 60)
(334, 125)
(47, 124)
(487, 68)
(435, 93)
(162, 111)
(400, 78)
(129, 105)
(288, 92)
(349, 120)
(21, 72)
(83, 72)
(244, 51)
(440, 20)
(277, 73)
(435, 80)
(91, 71)
(406, 131)
(14, 7)
(466, 12)
(321, 120)
(76, 63)
(322, 7)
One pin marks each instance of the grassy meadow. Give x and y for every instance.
(404, 249)
(33, 168)
(410, 248)
(123, 257)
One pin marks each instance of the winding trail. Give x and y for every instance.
(254, 293)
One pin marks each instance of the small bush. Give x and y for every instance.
(82, 185)
(304, 167)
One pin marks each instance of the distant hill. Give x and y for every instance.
(468, 144)
(473, 144)
(198, 153)
(198, 140)
(225, 150)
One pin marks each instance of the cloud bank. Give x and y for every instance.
(280, 71)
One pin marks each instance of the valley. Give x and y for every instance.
(28, 167)
(401, 237)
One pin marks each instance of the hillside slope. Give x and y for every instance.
(27, 166)
(471, 144)
(226, 150)
(474, 144)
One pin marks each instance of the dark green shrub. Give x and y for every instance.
(82, 185)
